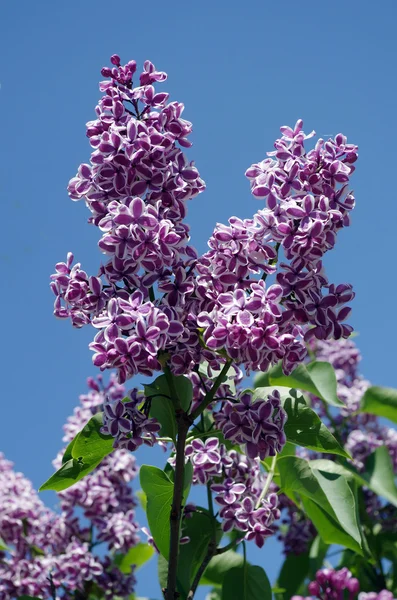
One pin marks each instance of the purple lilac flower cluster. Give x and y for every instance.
(333, 584)
(259, 425)
(45, 548)
(237, 482)
(128, 423)
(136, 187)
(307, 202)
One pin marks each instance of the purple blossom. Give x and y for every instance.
(259, 425)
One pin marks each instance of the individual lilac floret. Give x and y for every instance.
(259, 425)
(129, 425)
(205, 457)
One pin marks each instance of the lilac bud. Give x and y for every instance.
(115, 60)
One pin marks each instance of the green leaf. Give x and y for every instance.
(219, 566)
(330, 494)
(200, 529)
(380, 401)
(378, 475)
(316, 377)
(142, 499)
(28, 598)
(138, 556)
(159, 491)
(329, 528)
(67, 475)
(246, 583)
(3, 546)
(305, 428)
(214, 594)
(90, 444)
(317, 554)
(82, 455)
(162, 408)
(293, 573)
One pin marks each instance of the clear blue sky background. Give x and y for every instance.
(242, 69)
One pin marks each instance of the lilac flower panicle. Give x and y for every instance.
(259, 425)
(103, 498)
(154, 294)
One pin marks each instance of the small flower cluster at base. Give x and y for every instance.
(129, 425)
(331, 585)
(238, 494)
(259, 425)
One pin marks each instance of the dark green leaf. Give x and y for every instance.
(90, 444)
(28, 598)
(200, 529)
(219, 566)
(246, 583)
(329, 491)
(328, 528)
(67, 475)
(293, 573)
(316, 377)
(87, 451)
(162, 407)
(317, 554)
(378, 475)
(159, 491)
(304, 428)
(138, 556)
(142, 499)
(380, 401)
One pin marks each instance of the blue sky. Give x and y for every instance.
(242, 69)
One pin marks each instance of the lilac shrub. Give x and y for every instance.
(257, 300)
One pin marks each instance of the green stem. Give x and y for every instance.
(269, 479)
(209, 397)
(176, 507)
(273, 261)
(230, 546)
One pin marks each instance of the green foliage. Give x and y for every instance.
(380, 401)
(201, 528)
(327, 499)
(137, 556)
(162, 407)
(315, 377)
(246, 582)
(3, 546)
(82, 455)
(293, 573)
(159, 489)
(219, 566)
(378, 475)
